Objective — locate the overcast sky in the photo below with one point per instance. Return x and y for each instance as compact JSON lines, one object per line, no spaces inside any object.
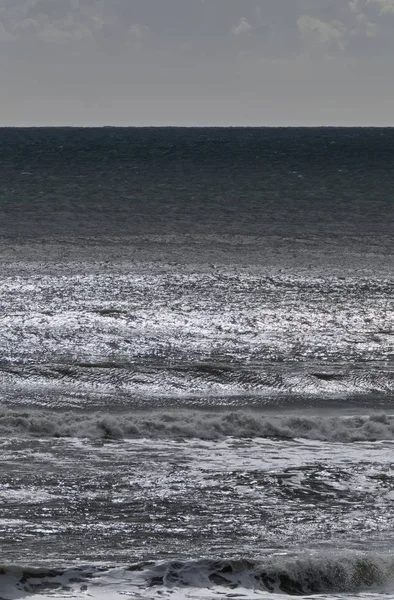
{"x":196,"y":62}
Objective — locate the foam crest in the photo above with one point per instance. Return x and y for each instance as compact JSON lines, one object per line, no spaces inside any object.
{"x":193,"y":424}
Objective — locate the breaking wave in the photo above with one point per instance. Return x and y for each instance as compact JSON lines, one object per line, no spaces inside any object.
{"x":346,"y":572}
{"x":297,"y":575}
{"x":193,"y":424}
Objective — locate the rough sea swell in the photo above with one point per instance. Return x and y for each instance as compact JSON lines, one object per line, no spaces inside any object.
{"x":196,"y":363}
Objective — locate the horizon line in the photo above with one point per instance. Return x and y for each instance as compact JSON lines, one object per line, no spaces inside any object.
{"x":193,"y":126}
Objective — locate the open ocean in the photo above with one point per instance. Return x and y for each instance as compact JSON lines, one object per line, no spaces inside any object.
{"x":197,"y":363}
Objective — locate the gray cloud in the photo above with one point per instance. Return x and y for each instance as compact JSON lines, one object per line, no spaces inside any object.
{"x":243,"y":27}
{"x":385,"y":6}
{"x":331,"y":34}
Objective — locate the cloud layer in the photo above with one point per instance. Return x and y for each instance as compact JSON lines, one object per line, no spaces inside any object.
{"x":196,"y":61}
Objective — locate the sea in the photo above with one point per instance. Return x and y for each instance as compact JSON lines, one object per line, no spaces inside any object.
{"x":197,"y":363}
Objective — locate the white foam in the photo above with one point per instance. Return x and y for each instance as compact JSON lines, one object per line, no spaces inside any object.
{"x":193,"y":424}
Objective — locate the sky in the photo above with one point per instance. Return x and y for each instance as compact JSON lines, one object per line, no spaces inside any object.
{"x":197,"y":62}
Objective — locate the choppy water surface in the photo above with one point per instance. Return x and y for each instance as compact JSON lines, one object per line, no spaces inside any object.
{"x":169,"y":334}
{"x":196,"y":369}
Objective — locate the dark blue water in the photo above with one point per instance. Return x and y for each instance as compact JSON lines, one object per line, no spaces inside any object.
{"x":224,"y":181}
